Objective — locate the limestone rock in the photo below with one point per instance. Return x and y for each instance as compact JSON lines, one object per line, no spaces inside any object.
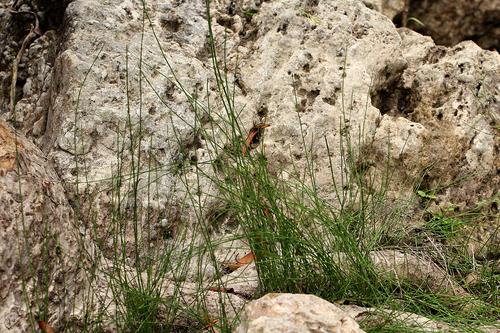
{"x":38,"y":241}
{"x":180,"y":297}
{"x":295,"y":313}
{"x":244,"y":281}
{"x":371,"y":317}
{"x":316,"y":71}
{"x":325,"y":73}
{"x":350,"y":58}
{"x":451,"y":94}
{"x":99,"y":135}
{"x":409,"y":269}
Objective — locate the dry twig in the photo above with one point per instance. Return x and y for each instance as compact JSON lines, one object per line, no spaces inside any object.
{"x":31,"y":35}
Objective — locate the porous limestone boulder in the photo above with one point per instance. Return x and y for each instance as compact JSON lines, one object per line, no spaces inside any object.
{"x":82,"y":120}
{"x":428,"y":111}
{"x":371,"y":317}
{"x":317,"y":72}
{"x":36,"y":62}
{"x":39,"y":245}
{"x":86,"y":131}
{"x":444,"y":109}
{"x":295,"y":313}
{"x":312,"y":79}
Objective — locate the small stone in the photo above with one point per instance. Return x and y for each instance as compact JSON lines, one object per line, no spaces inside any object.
{"x":209,"y":273}
{"x":33,"y":50}
{"x":39,"y":126}
{"x":295,"y":313}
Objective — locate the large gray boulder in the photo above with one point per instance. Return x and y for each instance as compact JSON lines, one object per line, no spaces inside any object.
{"x":100,"y":100}
{"x":351,"y":70}
{"x":39,"y":245}
{"x":450,"y":104}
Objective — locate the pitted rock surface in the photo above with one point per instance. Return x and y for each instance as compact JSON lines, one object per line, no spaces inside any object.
{"x":295,"y":313}
{"x":38,"y":240}
{"x":343,"y":71}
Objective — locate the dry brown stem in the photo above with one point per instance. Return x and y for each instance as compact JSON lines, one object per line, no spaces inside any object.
{"x":31,"y":35}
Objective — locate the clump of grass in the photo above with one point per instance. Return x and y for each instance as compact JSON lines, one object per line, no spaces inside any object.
{"x":302,"y":243}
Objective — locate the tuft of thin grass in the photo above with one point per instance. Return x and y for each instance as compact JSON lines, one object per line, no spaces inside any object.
{"x":301,"y":242}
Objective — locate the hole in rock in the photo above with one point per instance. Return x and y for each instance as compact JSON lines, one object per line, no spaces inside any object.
{"x":329,"y":100}
{"x":225,"y":22}
{"x":170,"y":25}
{"x":282,"y":28}
{"x":393,"y":101}
{"x":262,"y":113}
{"x":311,"y":96}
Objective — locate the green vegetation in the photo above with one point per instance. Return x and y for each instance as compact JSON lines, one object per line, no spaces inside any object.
{"x":301,"y":242}
{"x":414,"y":19}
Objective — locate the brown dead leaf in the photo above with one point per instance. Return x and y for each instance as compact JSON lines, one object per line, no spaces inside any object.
{"x":222,"y":289}
{"x":45,"y":327}
{"x":253,"y":137}
{"x":249,"y":258}
{"x":266,"y":213}
{"x":241,"y":262}
{"x":210,"y":322}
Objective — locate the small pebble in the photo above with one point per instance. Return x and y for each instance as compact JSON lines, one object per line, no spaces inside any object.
{"x":209,"y":273}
